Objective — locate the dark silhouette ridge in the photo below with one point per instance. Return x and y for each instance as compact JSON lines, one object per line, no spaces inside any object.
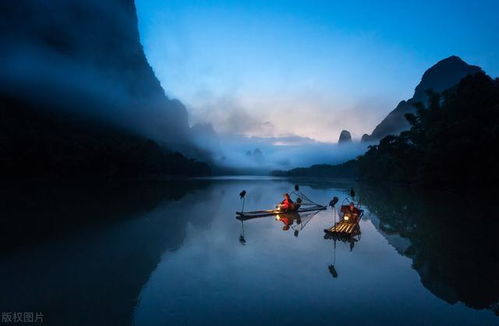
{"x":77,"y":95}
{"x":441,"y":76}
{"x":40,"y":143}
{"x":452,"y":142}
{"x":348,"y":169}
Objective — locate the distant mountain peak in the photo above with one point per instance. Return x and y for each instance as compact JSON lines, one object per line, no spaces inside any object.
{"x":453,"y":59}
{"x":439,"y":77}
{"x":443,"y":75}
{"x":345,"y":137}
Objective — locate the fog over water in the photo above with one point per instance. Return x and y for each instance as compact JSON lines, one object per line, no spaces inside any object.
{"x":274,"y":153}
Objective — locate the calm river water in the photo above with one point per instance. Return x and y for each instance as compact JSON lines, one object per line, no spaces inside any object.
{"x":173,"y":253}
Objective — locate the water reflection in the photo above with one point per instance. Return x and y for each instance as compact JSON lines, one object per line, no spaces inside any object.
{"x":290,"y":221}
{"x":81,"y":253}
{"x":304,"y":219}
{"x":350,"y":239}
{"x":451,"y":240}
{"x":156,"y":253}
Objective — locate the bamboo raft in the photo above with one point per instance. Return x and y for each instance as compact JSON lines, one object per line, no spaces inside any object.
{"x":349,"y":225}
{"x":344,"y":228}
{"x":270,"y":212}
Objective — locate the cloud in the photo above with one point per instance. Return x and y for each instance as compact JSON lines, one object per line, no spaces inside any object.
{"x":302,"y":116}
{"x":228,"y":116}
{"x":288,"y":132}
{"x":278,"y":152}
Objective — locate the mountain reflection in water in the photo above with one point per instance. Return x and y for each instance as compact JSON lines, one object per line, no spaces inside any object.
{"x":156,"y":253}
{"x":80,"y":253}
{"x":450,"y":239}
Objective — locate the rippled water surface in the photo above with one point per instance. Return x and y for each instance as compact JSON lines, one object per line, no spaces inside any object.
{"x":173,"y":253}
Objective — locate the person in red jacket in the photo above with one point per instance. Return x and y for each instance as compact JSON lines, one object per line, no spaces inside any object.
{"x":287,"y":204}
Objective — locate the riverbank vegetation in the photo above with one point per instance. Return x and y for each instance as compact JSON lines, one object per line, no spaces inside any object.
{"x":452,"y":142}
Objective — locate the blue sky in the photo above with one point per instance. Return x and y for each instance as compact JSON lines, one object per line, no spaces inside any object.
{"x":307,"y":68}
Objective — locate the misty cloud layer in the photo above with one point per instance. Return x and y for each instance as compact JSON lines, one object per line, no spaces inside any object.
{"x":275,"y":153}
{"x":84,"y":58}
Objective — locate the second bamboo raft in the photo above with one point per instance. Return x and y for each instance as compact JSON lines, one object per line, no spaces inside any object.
{"x":344,"y":228}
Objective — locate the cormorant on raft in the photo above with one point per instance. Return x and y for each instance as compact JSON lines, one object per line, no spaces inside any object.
{"x":333,"y":201}
{"x":242,"y":194}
